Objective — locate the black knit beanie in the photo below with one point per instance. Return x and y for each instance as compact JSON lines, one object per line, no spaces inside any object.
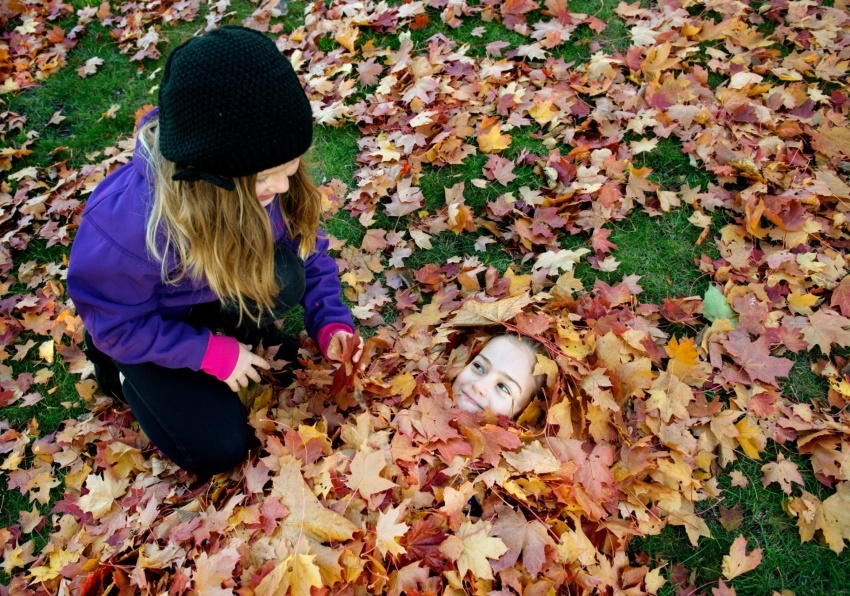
{"x":230,"y":104}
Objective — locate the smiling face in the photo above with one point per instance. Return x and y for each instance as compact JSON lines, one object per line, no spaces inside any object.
{"x":499,"y":377}
{"x":275,"y":181}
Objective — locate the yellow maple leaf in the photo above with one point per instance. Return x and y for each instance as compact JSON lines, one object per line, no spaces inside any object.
{"x":388,"y":529}
{"x":430,"y":315}
{"x":470,"y":548}
{"x":576,"y":546}
{"x":306,"y":514}
{"x":57,"y":561}
{"x":346,"y":36}
{"x":738,"y":561}
{"x":103,"y":490}
{"x":403,"y":385}
{"x":296,"y":572}
{"x":491,"y":139}
{"x":801,"y":303}
{"x":658,"y":60}
{"x":365,"y":474}
{"x":474,"y":314}
{"x":543,"y":112}
{"x":683,"y":356}
{"x":751,"y":439}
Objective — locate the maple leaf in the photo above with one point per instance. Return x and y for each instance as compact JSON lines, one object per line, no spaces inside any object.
{"x":365,"y":474}
{"x":435,"y":419}
{"x":782,"y":471}
{"x":738,"y":561}
{"x":738,"y":479}
{"x":670,"y":397}
{"x":499,"y":169}
{"x":491,"y":139}
{"x":212,"y":570}
{"x":407,"y":579}
{"x":754,"y":357}
{"x":470,"y":548}
{"x":576,"y":546}
{"x":520,"y":535}
{"x":56,"y":562}
{"x":831,"y":517}
{"x":561,"y":260}
{"x":658,"y":60}
{"x":103,"y":490}
{"x":750,"y":438}
{"x":298,"y":573}
{"x":342,"y":349}
{"x":388,"y":529}
{"x":841,"y":296}
{"x":346,"y":36}
{"x":475,"y":314}
{"x":422,"y":542}
{"x":368,"y":73}
{"x":430,"y":315}
{"x":683,"y":356}
{"x":731,"y":519}
{"x":307,"y":515}
{"x":826,"y":328}
{"x":518,"y":7}
{"x":716,"y":306}
{"x":654,"y":581}
{"x":489,"y":441}
{"x":90,"y":67}
{"x":533,"y":458}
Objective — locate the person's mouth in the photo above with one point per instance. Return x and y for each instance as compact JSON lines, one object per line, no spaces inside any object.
{"x":472,"y":402}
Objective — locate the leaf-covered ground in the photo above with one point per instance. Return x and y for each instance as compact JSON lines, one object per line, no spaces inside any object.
{"x":497,"y":169}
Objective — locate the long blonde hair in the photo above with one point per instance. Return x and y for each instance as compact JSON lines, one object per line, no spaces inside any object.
{"x":224,"y":237}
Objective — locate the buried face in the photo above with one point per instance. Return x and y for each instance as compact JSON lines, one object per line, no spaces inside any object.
{"x":499,"y":378}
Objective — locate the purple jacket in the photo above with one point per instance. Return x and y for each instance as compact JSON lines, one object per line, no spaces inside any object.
{"x":134,"y":317}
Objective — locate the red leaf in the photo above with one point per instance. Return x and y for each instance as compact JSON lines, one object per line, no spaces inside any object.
{"x":841,"y":296}
{"x":754,"y":357}
{"x":422,"y":543}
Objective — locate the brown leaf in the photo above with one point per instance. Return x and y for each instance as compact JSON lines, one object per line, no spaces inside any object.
{"x":782,"y":471}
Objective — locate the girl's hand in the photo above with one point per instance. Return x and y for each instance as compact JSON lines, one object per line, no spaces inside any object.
{"x":244,"y":370}
{"x":343,"y":339}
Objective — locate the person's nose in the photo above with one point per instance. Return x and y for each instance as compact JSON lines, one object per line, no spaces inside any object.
{"x":480,"y":387}
{"x":278,"y":184}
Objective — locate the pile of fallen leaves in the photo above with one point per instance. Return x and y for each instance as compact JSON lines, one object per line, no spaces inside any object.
{"x":372,"y":481}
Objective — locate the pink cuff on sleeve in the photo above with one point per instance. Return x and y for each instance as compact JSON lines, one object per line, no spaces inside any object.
{"x":221,"y":356}
{"x":326,"y":333}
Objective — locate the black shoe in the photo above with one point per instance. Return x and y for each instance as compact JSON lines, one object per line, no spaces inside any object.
{"x":105,"y":372}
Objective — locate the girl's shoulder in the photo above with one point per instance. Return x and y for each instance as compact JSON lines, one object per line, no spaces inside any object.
{"x":117,"y":212}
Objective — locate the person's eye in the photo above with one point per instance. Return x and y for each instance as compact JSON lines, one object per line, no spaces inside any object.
{"x":504,"y":388}
{"x":477,"y":366}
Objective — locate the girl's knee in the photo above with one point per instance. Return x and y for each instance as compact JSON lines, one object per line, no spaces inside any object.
{"x":222,"y":452}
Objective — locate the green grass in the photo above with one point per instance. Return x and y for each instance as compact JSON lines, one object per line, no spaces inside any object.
{"x":660,"y":249}
{"x":671,"y":166}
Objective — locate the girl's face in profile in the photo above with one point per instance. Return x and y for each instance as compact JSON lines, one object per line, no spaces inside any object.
{"x":275,"y":180}
{"x":499,"y":377}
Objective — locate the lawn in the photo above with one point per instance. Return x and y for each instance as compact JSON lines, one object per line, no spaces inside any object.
{"x":658,"y":192}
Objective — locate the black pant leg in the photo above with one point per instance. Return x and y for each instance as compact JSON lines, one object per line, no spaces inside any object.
{"x":192,"y":417}
{"x":105,"y":372}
